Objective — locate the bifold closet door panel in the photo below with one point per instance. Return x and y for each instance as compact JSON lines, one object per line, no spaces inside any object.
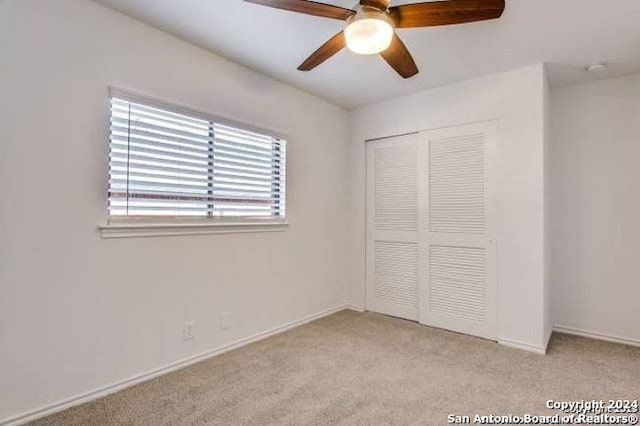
{"x":457,"y":247}
{"x":392,"y":227}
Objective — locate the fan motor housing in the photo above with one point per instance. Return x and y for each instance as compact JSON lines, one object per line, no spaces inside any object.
{"x":369,"y":12}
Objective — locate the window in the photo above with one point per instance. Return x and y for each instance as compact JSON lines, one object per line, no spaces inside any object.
{"x":172,"y":165}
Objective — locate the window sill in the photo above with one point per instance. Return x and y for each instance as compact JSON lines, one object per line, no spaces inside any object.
{"x":132,"y":229}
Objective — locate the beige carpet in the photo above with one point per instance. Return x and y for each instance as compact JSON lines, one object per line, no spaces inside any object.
{"x":364,"y":368}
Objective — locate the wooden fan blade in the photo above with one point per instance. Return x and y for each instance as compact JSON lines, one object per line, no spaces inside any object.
{"x":378,"y":4}
{"x":445,"y":12}
{"x":398,"y":56}
{"x":307,"y":7}
{"x":327,"y":50}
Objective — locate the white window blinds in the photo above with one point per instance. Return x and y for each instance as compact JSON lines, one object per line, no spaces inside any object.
{"x":168,"y":163}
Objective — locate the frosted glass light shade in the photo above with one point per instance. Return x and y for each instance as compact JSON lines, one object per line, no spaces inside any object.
{"x":368,"y":36}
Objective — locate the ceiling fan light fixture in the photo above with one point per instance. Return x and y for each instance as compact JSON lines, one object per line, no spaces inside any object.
{"x":369,"y":31}
{"x":370,"y":25}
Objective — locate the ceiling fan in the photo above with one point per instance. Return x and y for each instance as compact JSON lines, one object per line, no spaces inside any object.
{"x":370,"y":25}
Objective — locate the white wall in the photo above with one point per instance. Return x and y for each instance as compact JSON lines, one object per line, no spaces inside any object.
{"x":516,"y":99}
{"x":548,"y":290}
{"x":78,"y":312}
{"x":595,"y":173}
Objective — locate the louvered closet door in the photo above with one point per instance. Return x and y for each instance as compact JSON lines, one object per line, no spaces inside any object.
{"x":457,"y":234}
{"x":392,"y":227}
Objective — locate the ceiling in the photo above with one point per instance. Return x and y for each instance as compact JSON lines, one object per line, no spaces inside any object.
{"x":567,"y":34}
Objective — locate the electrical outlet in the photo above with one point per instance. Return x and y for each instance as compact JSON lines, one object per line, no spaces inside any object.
{"x":224,"y":321}
{"x":188,"y":330}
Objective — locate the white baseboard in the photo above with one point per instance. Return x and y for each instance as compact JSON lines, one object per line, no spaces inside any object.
{"x":140,"y":378}
{"x":596,"y":336}
{"x":354,"y":307}
{"x":523,"y":346}
{"x":547,"y":339}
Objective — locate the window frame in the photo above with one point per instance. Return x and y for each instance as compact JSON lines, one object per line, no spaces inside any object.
{"x":133,"y":226}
